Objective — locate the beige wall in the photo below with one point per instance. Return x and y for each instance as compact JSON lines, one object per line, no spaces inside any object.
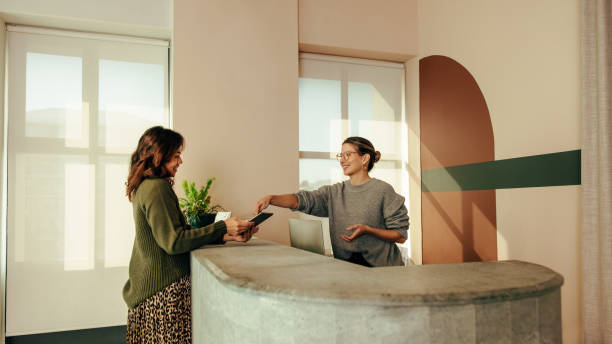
{"x":359,"y":28}
{"x":147,"y":18}
{"x":2,"y":224}
{"x":236,"y":101}
{"x":414,"y":158}
{"x":525,"y":57}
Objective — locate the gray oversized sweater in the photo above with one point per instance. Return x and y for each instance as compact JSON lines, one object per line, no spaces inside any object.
{"x":373,"y":203}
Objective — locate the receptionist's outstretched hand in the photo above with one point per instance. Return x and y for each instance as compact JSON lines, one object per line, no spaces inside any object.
{"x":262,"y":204}
{"x":358,"y":230}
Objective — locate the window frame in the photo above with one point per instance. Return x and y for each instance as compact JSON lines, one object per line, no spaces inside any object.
{"x":96,"y":154}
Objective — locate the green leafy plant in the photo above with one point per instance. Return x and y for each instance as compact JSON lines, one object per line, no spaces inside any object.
{"x":196,"y":204}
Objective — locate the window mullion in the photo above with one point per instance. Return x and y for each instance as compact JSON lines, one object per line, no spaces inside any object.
{"x":344,"y":119}
{"x":91,"y":118}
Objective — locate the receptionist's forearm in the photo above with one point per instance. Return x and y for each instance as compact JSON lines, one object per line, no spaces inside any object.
{"x":285,"y":201}
{"x":386,"y":234}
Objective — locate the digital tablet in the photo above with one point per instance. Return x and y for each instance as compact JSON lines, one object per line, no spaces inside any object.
{"x":259,"y":218}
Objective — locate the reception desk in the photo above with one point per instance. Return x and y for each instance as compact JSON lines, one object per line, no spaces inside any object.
{"x":263,"y":292}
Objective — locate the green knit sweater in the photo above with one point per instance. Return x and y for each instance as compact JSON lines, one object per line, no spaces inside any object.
{"x":163,"y":240}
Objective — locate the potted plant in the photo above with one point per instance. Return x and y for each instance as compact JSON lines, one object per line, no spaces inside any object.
{"x":196,"y":204}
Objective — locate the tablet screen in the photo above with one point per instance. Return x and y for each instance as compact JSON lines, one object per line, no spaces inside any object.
{"x":259,"y":218}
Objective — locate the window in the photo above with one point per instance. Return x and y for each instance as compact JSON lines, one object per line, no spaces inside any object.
{"x":342,"y":97}
{"x":77,"y":105}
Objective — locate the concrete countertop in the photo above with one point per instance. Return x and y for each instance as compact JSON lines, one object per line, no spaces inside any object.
{"x":263,"y":267}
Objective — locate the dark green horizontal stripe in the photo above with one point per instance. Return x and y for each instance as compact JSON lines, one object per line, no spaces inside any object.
{"x":102,"y":335}
{"x":531,"y":171}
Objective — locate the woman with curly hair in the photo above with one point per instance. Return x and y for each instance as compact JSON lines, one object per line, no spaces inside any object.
{"x":158,"y":291}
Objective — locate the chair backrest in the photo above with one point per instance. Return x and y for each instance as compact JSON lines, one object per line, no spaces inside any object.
{"x":307,"y":235}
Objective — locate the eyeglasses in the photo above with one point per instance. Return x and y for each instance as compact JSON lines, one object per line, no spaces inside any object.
{"x":344,"y":155}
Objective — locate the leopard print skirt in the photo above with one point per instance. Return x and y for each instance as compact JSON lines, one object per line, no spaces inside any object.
{"x":164,"y":318}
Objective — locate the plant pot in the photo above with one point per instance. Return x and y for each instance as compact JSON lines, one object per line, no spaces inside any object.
{"x":202,"y":220}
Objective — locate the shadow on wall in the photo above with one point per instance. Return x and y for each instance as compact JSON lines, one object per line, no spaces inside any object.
{"x":458,"y":226}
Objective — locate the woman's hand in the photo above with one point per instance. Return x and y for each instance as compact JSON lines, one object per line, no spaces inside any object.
{"x":244,"y":237}
{"x":382,"y":234}
{"x":227,"y":237}
{"x":236,"y":226}
{"x":359,"y":230}
{"x":262,"y":204}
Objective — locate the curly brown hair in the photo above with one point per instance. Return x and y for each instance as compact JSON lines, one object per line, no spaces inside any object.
{"x":155,"y":148}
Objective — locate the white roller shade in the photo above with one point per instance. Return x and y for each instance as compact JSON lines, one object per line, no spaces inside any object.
{"x":77,"y":105}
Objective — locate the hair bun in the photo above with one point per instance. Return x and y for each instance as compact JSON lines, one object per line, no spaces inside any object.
{"x":377,"y":157}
